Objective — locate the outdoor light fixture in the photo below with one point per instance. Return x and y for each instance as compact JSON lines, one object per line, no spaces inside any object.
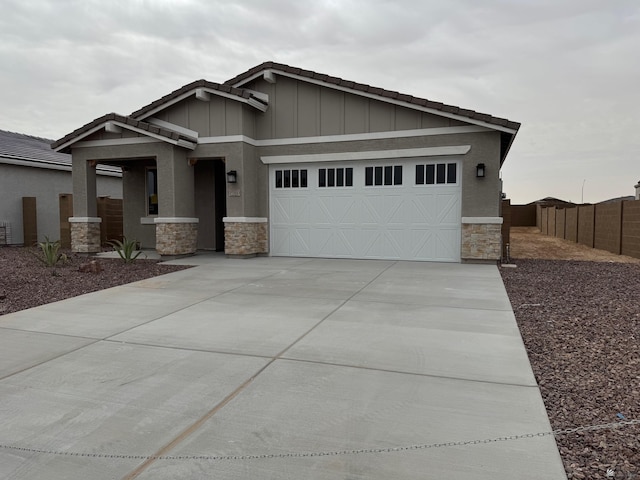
{"x":232,"y":176}
{"x":480,"y":170}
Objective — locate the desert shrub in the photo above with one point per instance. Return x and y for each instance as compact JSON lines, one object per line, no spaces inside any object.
{"x":126,"y":249}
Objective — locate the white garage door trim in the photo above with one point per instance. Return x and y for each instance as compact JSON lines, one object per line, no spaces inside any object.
{"x":405,"y":222}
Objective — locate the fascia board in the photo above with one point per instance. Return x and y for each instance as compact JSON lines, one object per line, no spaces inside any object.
{"x":370,"y":155}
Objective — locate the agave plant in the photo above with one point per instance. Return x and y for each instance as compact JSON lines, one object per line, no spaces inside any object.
{"x":51,"y":253}
{"x":126,"y":249}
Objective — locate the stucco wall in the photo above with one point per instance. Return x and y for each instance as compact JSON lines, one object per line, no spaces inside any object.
{"x":44,"y":184}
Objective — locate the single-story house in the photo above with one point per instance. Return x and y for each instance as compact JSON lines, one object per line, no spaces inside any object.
{"x":30,"y":170}
{"x":290,"y":162}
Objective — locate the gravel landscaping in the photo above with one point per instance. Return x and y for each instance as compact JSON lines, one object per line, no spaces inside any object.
{"x":26,"y":281}
{"x":580,"y":322}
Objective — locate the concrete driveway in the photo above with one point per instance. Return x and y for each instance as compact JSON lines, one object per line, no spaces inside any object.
{"x":276,"y":357}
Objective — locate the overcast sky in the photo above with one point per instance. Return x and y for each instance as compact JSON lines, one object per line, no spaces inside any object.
{"x":568,"y":70}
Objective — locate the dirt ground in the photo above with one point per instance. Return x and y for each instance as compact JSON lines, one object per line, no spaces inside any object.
{"x":529,"y":242}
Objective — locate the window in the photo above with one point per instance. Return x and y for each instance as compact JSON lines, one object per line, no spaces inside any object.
{"x":291,"y":179}
{"x":387,"y":175}
{"x":152,"y":191}
{"x":335,"y":177}
{"x":436,"y":174}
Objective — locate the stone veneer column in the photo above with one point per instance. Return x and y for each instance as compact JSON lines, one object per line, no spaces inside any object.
{"x":176,"y":235}
{"x":85,"y":234}
{"x":481,"y":239}
{"x":245,"y":236}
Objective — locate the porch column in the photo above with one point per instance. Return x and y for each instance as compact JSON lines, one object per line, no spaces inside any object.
{"x":481,"y":239}
{"x":85,"y":224}
{"x":176,"y":224}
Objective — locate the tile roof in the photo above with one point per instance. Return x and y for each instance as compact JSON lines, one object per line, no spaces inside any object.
{"x":237,"y":92}
{"x":423,"y":102}
{"x":163,"y":132}
{"x":27,"y":147}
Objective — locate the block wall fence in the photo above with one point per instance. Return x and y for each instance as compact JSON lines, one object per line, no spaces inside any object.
{"x":611,"y":226}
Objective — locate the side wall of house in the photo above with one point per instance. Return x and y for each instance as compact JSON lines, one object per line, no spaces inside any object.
{"x":45,"y":185}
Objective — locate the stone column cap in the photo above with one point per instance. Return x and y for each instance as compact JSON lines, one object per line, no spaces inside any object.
{"x":176,"y":220}
{"x":85,"y":220}
{"x":244,"y":220}
{"x":481,"y":220}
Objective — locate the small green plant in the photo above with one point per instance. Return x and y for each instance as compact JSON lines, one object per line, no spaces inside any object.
{"x":126,"y":249}
{"x":51,"y":253}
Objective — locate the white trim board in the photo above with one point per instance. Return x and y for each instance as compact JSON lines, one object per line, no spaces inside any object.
{"x":352,"y":137}
{"x":370,"y":155}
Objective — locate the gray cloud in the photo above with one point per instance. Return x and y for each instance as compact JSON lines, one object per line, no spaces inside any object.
{"x":566,"y":69}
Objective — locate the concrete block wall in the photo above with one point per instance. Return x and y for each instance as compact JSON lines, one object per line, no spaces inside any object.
{"x":551,"y":222}
{"x":608,"y":227}
{"x":586,"y":221}
{"x":631,"y":229}
{"x":571,"y":224}
{"x":523,"y":215}
{"x":560,"y":219}
{"x":613,"y":226}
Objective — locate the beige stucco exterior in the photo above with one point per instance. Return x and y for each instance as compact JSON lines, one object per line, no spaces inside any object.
{"x":300,"y":118}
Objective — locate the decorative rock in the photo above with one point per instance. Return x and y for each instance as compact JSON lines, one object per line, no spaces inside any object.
{"x":90,"y":267}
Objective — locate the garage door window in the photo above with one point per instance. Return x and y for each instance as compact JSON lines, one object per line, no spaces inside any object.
{"x":436,"y":174}
{"x":335,"y":177}
{"x":291,"y":179}
{"x":387,"y":175}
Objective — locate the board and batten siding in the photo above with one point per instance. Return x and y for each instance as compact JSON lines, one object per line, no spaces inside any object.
{"x":299,"y":109}
{"x":215,"y":118}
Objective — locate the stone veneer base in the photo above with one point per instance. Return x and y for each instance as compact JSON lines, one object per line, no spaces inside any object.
{"x":85,"y":234}
{"x":176,"y":236}
{"x":245,"y":237}
{"x":481,"y":242}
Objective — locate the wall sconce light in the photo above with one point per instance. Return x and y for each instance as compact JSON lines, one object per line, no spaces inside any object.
{"x":232,"y":176}
{"x":480,"y":170}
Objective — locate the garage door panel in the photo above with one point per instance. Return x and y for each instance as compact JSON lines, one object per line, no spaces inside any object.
{"x":300,"y":241}
{"x":447,"y":243}
{"x":447,"y":208}
{"x":408,"y":222}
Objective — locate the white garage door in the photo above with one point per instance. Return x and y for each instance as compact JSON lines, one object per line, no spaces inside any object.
{"x":405,"y":210}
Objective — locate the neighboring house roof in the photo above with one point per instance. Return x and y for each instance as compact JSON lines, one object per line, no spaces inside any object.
{"x":550,"y":201}
{"x":410,"y":100}
{"x":619,"y":199}
{"x":114,"y":120}
{"x":29,"y":151}
{"x":28,"y":147}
